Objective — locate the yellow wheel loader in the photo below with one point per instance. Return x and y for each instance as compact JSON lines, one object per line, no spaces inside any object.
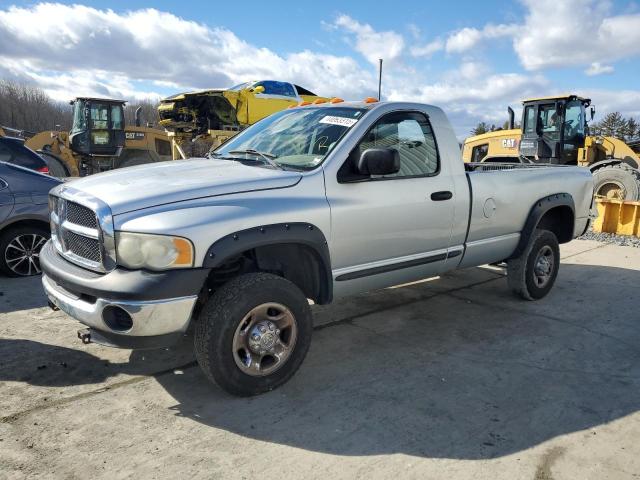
{"x":555,"y":130}
{"x":99,"y":140}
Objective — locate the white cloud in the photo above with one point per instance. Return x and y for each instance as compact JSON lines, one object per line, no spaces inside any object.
{"x":136,"y":54}
{"x":88,"y":51}
{"x":596,"y":68}
{"x":565,"y":33}
{"x":575,"y":33}
{"x":427,"y":49}
{"x":370,"y":43}
{"x":467,"y":38}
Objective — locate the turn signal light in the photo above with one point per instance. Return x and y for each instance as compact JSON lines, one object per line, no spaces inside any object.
{"x":319,"y":101}
{"x":370,"y":100}
{"x":302,"y":104}
{"x":337,"y":100}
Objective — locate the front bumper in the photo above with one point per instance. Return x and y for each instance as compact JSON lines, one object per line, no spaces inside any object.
{"x":159,"y":304}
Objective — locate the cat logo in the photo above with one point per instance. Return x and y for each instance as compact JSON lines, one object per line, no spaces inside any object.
{"x":509,"y":143}
{"x":134,"y":135}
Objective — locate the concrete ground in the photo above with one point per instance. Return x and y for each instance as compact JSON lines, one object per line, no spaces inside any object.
{"x":451,"y":378}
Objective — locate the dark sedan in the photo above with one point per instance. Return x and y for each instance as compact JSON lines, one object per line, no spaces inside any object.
{"x":24,"y":218}
{"x":13,"y":150}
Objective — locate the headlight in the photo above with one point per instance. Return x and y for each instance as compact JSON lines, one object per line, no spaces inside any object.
{"x":153,"y":252}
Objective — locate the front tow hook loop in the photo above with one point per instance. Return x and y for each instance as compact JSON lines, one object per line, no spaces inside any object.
{"x":84,"y":334}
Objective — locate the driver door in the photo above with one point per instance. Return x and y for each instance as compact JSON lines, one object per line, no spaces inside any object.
{"x":387,"y":230}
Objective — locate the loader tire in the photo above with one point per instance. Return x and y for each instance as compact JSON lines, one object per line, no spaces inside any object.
{"x":617,"y":182}
{"x":532,"y":274}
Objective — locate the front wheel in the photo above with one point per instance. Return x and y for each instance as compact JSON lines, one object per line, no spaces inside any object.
{"x":253,"y":333}
{"x":532,"y":274}
{"x":20,"y":250}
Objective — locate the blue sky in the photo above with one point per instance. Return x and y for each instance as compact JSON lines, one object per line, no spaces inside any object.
{"x":472,"y":58}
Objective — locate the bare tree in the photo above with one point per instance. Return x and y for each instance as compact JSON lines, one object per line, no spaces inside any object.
{"x":29,"y":108}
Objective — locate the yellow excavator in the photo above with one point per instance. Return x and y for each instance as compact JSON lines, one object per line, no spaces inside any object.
{"x":99,"y":140}
{"x":555,"y":130}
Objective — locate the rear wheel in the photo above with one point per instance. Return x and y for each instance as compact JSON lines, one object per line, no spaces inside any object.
{"x":253,"y":333}
{"x":20,"y":250}
{"x":532,"y":274}
{"x":617,"y":182}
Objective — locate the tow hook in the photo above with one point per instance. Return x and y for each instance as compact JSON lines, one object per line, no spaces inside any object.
{"x":84,"y":334}
{"x":53,"y":306}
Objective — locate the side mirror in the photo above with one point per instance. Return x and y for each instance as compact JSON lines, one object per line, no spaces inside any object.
{"x":379,"y":161}
{"x":593,"y":112}
{"x":560,"y":109}
{"x":258,"y":89}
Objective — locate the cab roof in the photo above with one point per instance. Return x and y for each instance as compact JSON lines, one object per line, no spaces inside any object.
{"x":559,"y":97}
{"x":111,"y":100}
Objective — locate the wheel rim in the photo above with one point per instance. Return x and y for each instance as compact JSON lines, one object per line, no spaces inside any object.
{"x":612,"y":190}
{"x":22,"y":254}
{"x":543,"y":266}
{"x":264,"y":339}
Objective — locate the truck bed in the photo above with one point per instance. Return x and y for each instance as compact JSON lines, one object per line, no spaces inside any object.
{"x":502,"y":195}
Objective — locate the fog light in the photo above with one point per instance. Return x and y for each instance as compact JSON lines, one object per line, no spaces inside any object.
{"x":117,"y":319}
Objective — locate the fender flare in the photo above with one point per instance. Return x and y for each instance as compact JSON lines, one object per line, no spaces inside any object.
{"x":299,"y":233}
{"x":536,"y":213}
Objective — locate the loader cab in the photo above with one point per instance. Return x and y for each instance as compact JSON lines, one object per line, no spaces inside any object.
{"x":554,"y":128}
{"x":98,"y":127}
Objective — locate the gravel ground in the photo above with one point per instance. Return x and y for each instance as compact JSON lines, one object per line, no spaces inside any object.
{"x":612,"y":238}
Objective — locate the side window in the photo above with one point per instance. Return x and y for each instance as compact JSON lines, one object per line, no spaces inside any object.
{"x":479,"y":152}
{"x":278,"y":88}
{"x":574,"y":120}
{"x":410,"y":134}
{"x":163,"y":147}
{"x":116,"y":117}
{"x":549,"y":120}
{"x":5,"y":153}
{"x":530,"y":119}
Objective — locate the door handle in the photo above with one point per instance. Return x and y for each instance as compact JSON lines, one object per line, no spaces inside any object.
{"x":440,"y":196}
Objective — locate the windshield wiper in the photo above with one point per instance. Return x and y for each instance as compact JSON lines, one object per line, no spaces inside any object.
{"x":266,"y":156}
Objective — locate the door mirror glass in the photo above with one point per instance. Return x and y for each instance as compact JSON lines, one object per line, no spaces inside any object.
{"x":593,"y":112}
{"x":379,"y":161}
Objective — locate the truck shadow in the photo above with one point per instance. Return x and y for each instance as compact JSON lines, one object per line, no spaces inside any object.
{"x":473,"y":374}
{"x":470,"y":374}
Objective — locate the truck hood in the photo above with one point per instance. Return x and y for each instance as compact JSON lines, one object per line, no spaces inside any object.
{"x":155,"y":184}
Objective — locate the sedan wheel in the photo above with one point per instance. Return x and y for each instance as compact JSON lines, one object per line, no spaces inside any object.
{"x":21,"y":251}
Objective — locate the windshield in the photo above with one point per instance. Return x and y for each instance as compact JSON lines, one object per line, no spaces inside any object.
{"x":299,"y":138}
{"x":240,"y":86}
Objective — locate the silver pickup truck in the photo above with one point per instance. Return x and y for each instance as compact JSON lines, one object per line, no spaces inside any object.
{"x":310,"y":204}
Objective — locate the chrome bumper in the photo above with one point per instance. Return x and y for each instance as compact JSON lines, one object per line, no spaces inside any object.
{"x":150,"y":318}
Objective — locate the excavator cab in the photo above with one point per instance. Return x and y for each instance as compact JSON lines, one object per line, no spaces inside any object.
{"x":98,"y":127}
{"x":553,"y":129}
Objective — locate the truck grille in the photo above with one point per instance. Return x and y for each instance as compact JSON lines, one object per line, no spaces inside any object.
{"x":84,"y":247}
{"x":76,"y":234}
{"x":81,"y":215}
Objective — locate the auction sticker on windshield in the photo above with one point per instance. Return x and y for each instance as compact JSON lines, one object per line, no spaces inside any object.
{"x":342,"y":121}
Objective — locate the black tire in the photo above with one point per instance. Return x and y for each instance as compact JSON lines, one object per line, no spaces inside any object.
{"x":625,"y":178}
{"x":221,"y":317}
{"x":8,"y":253}
{"x":57,"y":168}
{"x":522,"y":275}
